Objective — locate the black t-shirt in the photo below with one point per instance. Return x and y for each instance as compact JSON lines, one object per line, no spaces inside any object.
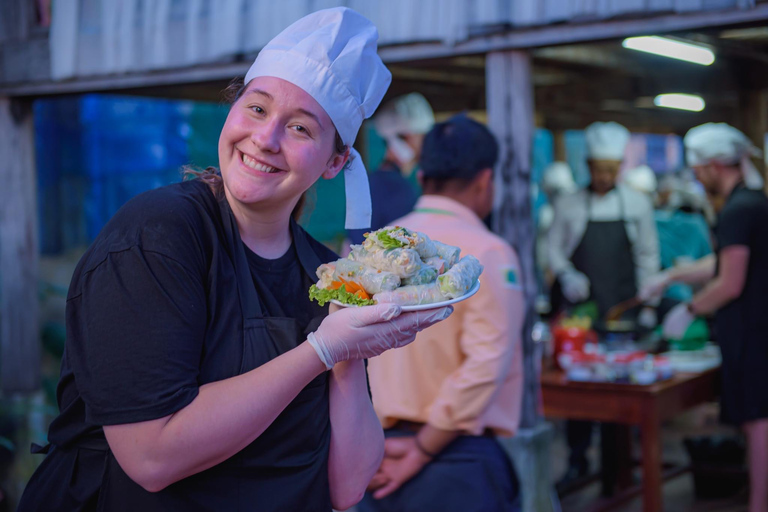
{"x":283,"y":287}
{"x":152,"y":307}
{"x":744,"y":221}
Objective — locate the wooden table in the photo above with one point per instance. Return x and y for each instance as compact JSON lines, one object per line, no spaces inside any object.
{"x":627,"y":404}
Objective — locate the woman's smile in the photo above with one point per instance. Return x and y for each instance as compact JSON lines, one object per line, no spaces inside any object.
{"x":253,"y":164}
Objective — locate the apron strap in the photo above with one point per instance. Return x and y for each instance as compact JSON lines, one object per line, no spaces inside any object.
{"x":249,"y":299}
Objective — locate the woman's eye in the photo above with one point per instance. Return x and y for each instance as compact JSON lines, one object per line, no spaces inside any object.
{"x":300,"y":128}
{"x":257,"y":109}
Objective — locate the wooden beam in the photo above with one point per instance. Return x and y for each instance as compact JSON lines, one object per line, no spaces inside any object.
{"x":19,"y":307}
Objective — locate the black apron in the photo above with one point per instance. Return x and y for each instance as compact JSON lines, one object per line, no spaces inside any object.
{"x":605,"y":256}
{"x":284,"y":469}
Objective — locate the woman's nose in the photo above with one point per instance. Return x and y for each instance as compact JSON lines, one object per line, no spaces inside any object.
{"x":266,"y":136}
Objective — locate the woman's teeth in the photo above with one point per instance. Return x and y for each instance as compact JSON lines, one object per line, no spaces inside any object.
{"x":253,"y":164}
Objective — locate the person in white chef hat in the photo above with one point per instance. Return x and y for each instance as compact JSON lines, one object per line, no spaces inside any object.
{"x":734,"y":280}
{"x":205,"y":377}
{"x":402,"y":123}
{"x":602,"y":246}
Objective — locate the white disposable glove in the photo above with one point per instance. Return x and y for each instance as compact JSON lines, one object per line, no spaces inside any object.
{"x":654,"y":287}
{"x":575,"y":286}
{"x":647,"y":318}
{"x":362,"y":333}
{"x":677,"y":322}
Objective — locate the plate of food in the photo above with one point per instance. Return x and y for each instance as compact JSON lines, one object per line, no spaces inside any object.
{"x":399,"y":266}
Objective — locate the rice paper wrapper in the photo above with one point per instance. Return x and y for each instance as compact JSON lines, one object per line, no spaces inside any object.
{"x":458,"y":280}
{"x":448,"y":253}
{"x":373,"y":280}
{"x":401,"y":262}
{"x":414,"y":295}
{"x":426,"y":274}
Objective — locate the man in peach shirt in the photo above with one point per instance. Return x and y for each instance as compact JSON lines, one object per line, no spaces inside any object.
{"x":444,"y":398}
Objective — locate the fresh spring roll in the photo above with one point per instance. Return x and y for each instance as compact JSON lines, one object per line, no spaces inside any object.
{"x":398,"y":237}
{"x":424,"y":246}
{"x":411,"y":295}
{"x":426,"y":274}
{"x":325,"y":274}
{"x":448,"y":252}
{"x":461,"y":277}
{"x":401,"y":262}
{"x":374,"y":281}
{"x":437,"y":263}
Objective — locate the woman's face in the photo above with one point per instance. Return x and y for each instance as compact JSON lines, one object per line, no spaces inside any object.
{"x":276,"y":142}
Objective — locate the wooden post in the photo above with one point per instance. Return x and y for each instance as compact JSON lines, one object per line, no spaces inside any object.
{"x":19,"y":307}
{"x":754,"y":120}
{"x":509,"y":93}
{"x":509,"y":103}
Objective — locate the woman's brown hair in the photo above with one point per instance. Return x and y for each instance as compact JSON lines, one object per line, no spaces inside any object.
{"x":212,"y":175}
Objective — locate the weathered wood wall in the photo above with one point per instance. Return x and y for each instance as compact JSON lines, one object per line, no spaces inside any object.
{"x":19,"y":306}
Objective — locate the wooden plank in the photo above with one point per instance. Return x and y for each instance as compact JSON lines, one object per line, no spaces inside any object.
{"x":509,"y":103}
{"x":19,"y":307}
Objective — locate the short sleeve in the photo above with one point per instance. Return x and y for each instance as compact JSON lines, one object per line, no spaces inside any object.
{"x":735,"y":225}
{"x":135,"y":337}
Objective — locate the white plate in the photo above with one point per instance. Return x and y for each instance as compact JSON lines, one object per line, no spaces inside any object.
{"x":422,"y":307}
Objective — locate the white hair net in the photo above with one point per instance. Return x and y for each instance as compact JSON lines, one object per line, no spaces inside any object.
{"x":409,"y":114}
{"x":642,"y":179}
{"x":557,"y":179}
{"x":722,"y":143}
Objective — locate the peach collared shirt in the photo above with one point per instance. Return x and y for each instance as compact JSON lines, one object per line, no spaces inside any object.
{"x":466,"y":372}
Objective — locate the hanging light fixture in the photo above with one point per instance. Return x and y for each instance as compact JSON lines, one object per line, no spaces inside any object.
{"x":680,"y":101}
{"x":671,"y":48}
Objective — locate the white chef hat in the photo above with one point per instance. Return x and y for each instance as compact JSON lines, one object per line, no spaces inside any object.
{"x":642,"y":179}
{"x":331,"y":55}
{"x":606,"y":141}
{"x":409,"y":114}
{"x":725,"y":144}
{"x":558,"y":179}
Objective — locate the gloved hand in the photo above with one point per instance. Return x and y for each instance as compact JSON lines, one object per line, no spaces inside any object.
{"x":647,"y":318}
{"x":575,"y":286}
{"x":361,"y":333}
{"x":677,"y":322}
{"x":654,"y":287}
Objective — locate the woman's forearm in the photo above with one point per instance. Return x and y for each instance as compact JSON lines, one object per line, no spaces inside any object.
{"x":357,"y":439}
{"x":225,"y":417}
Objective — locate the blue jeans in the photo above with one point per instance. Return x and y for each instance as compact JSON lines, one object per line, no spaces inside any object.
{"x":472,"y":474}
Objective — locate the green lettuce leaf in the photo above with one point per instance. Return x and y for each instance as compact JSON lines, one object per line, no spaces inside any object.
{"x":388,"y":242}
{"x":325,"y":295}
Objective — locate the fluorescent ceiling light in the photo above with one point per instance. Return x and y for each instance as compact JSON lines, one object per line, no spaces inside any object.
{"x":680,"y":101}
{"x":671,"y":48}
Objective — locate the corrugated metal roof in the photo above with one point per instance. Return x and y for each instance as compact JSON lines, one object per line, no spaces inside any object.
{"x":96,"y":38}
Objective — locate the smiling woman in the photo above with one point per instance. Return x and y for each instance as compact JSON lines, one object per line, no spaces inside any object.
{"x":197,"y":374}
{"x":212,"y":175}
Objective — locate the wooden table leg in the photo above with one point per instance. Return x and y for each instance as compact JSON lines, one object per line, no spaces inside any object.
{"x":615,"y":457}
{"x":651,"y":440}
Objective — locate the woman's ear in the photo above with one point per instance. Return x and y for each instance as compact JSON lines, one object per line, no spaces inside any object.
{"x":335,"y":165}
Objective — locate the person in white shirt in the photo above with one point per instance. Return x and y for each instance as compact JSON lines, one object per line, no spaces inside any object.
{"x":603,"y":243}
{"x":602,"y":246}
